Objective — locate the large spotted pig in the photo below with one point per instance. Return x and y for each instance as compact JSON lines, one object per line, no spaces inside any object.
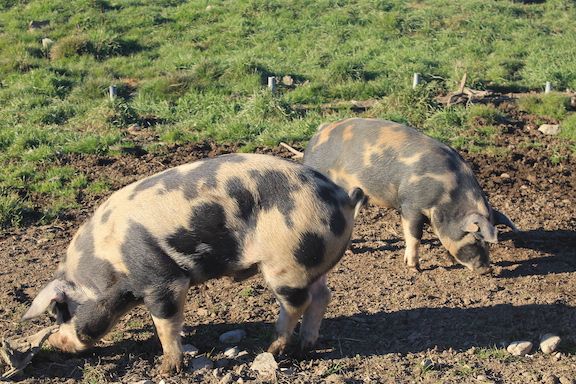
{"x":427,"y":181}
{"x":230,"y":215}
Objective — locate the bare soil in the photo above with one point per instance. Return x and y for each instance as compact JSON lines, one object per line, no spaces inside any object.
{"x":384,"y":320}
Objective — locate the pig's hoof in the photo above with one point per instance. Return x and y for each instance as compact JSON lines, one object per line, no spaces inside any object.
{"x":277,"y":348}
{"x":170,"y":367}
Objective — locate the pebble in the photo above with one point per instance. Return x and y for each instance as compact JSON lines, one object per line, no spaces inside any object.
{"x":231,"y":352}
{"x":232,"y":337}
{"x":550,"y":129}
{"x":202,"y":362}
{"x":565,"y":380}
{"x":520,"y":348}
{"x":189,"y":349}
{"x":549,"y":342}
{"x":287,"y":371}
{"x":264,"y":363}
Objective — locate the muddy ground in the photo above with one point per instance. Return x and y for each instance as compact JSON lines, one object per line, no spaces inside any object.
{"x":384,"y":320}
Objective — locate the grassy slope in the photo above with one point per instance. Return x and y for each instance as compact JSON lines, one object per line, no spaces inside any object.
{"x":188,"y":70}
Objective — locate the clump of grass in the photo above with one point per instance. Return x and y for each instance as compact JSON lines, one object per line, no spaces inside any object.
{"x":569,"y":127}
{"x":554,"y":105}
{"x":11,"y":208}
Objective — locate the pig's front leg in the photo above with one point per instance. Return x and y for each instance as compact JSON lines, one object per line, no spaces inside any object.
{"x":412,"y":226}
{"x":167,"y":307}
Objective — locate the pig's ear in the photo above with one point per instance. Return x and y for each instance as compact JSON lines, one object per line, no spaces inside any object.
{"x":480,"y":227}
{"x":500,"y":218}
{"x":54,"y":291}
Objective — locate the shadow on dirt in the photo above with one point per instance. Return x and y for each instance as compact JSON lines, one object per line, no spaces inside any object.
{"x":558,"y":245}
{"x":417,"y":330}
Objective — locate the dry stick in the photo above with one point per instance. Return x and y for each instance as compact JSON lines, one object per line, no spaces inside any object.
{"x":18,"y":360}
{"x":297,"y":154}
{"x":464,"y":90}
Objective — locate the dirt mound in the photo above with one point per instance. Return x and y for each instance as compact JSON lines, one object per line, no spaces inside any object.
{"x":385,"y":323}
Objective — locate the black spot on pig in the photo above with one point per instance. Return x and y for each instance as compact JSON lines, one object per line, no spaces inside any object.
{"x":172,"y":180}
{"x":310,"y":250}
{"x":337,"y":222}
{"x":244,"y":198}
{"x":152,"y":270}
{"x":295,"y":296}
{"x":105,"y":216}
{"x":212,"y":247}
{"x":274,"y":191}
{"x":94,"y":317}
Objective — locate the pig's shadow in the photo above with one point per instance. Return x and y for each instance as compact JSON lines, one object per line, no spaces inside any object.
{"x":363,"y":334}
{"x":558,"y":247}
{"x":390,"y":245}
{"x":419,"y":329}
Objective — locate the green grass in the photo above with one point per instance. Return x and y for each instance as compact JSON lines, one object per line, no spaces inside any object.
{"x":188,"y":72}
{"x":554,"y":105}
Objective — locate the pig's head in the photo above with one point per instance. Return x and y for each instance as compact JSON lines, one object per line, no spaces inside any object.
{"x":467,"y":239}
{"x":62,"y":298}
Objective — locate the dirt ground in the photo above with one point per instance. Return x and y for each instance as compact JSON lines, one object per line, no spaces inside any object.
{"x":384,"y":321}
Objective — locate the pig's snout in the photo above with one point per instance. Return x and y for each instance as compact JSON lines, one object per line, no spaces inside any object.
{"x":66,"y":340}
{"x":484,"y":270}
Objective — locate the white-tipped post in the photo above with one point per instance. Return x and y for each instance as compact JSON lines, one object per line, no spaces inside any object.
{"x":548,"y":88}
{"x":272,"y":84}
{"x":416,"y":80}
{"x":112,"y":90}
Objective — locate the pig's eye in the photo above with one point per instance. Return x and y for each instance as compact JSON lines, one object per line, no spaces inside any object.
{"x":62,"y":313}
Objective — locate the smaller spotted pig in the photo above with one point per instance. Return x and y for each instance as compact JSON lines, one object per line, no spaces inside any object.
{"x":226,"y":216}
{"x":427,"y":181}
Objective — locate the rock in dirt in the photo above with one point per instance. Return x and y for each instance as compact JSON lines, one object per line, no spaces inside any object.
{"x":549,"y":342}
{"x":232,"y":337}
{"x":520,"y":348}
{"x":189,"y":349}
{"x":232,"y":352}
{"x":550,"y":129}
{"x":202,"y":362}
{"x":264,"y":363}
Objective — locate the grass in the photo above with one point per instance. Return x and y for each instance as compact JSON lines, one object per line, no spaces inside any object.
{"x":187,"y":71}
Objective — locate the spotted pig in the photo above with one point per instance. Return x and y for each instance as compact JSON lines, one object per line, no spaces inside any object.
{"x":427,"y":181}
{"x":231,"y":215}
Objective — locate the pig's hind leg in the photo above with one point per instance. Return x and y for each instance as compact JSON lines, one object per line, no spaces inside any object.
{"x":314,"y":314}
{"x":293,"y":302}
